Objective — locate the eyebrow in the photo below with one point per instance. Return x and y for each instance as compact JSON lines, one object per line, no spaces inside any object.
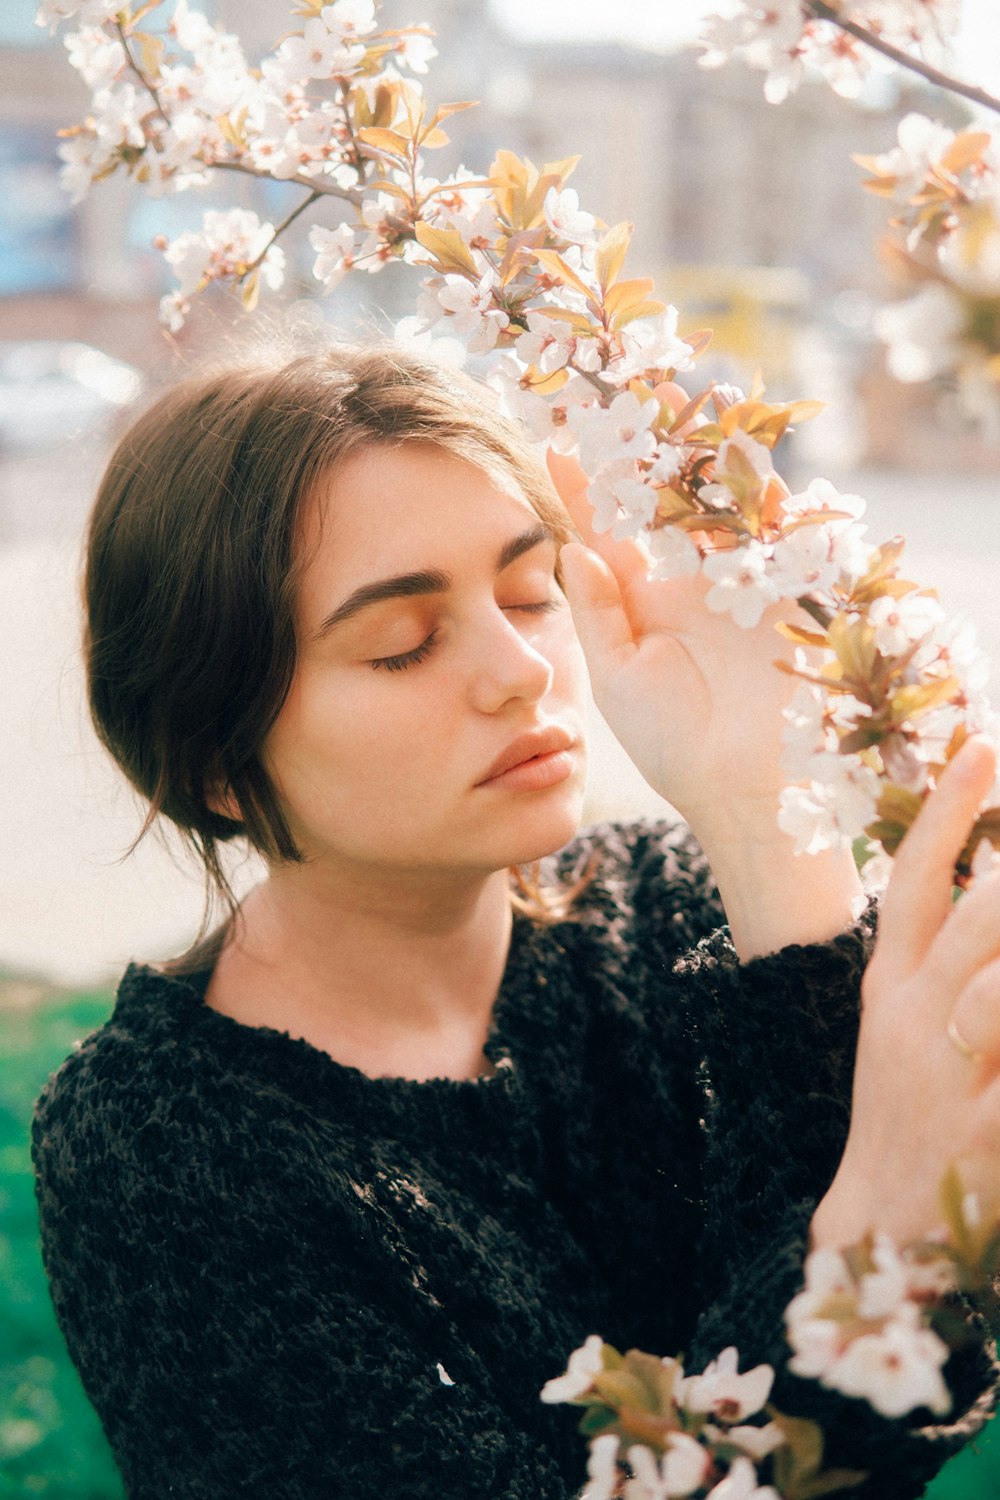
{"x":426,"y":581}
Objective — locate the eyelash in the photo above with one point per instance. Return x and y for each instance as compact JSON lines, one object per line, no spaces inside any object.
{"x":421,"y":652}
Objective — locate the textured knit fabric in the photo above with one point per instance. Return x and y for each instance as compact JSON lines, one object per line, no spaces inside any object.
{"x":281,"y":1278}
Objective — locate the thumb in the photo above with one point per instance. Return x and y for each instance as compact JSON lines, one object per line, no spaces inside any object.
{"x":602,"y":624}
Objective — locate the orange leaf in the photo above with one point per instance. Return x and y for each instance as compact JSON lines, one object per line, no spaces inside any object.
{"x":553,"y":262}
{"x":385,"y":140}
{"x":448,"y":248}
{"x":610,"y":254}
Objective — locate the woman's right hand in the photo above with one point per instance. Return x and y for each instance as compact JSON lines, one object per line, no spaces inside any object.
{"x":927,"y":1075}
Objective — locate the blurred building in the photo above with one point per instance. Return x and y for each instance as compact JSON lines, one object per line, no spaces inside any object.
{"x":751,"y":218}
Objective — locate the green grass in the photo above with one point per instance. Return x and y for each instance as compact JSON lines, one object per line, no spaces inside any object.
{"x":51,"y":1443}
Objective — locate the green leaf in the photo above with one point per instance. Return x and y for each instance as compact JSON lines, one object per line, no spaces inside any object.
{"x":597,"y":1420}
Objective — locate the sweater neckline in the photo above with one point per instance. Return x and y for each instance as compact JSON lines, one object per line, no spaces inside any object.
{"x":178,"y":1001}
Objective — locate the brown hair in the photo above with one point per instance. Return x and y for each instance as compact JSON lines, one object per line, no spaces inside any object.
{"x":190,"y":574}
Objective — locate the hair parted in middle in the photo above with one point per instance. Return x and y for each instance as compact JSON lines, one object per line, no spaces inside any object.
{"x":192,"y":566}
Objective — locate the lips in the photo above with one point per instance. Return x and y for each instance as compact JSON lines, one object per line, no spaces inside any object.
{"x":530,"y":746}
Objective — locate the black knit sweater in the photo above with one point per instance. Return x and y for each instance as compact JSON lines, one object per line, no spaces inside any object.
{"x":280,"y":1278}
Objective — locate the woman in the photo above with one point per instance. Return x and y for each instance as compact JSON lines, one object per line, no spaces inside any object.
{"x":325,"y":1203}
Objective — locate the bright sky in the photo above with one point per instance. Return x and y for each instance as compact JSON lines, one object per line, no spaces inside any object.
{"x":672,"y":23}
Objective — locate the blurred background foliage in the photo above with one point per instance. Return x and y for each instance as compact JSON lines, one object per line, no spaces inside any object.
{"x":51,"y":1443}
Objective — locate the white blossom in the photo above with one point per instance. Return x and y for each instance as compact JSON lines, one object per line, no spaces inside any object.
{"x":470,"y":309}
{"x":819,"y":496}
{"x":721,"y":1390}
{"x":336,"y":252}
{"x":900,"y":623}
{"x":920,"y":143}
{"x":741,"y":583}
{"x":546,"y":418}
{"x":621,"y":430}
{"x":584,"y":1364}
{"x":192,"y":28}
{"x":680,"y":1471}
{"x":565,"y":217}
{"x":173,"y":310}
{"x":350,"y":17}
{"x":90,"y":12}
{"x":741,"y":1484}
{"x":674,"y":554}
{"x":547,"y":344}
{"x":807,"y":729}
{"x":82,"y":157}
{"x":317,"y":53}
{"x":602,"y":1468}
{"x":653,"y":344}
{"x":224,"y":246}
{"x":118,"y":116}
{"x":416,"y":51}
{"x":895,"y":1370}
{"x":922,"y":332}
{"x":756,"y":1442}
{"x":804,"y":562}
{"x":96,"y":56}
{"x":985,"y":860}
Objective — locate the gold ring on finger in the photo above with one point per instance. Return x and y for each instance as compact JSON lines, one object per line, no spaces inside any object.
{"x":958,"y":1041}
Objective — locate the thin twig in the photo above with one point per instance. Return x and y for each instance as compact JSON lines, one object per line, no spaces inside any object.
{"x":147,"y":83}
{"x":289,"y":219}
{"x":821,"y":11}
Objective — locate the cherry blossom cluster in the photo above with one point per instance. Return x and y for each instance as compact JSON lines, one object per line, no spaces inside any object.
{"x":861,"y":1326}
{"x":656,"y":1433}
{"x":942,"y":184}
{"x":944,"y":187}
{"x":786,"y":38}
{"x":585,"y":357}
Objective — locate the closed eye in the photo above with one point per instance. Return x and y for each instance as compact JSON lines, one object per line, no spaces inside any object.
{"x":540,"y":607}
{"x":406,"y":658}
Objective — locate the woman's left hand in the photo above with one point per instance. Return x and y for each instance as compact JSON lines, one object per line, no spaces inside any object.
{"x":927,"y":1077}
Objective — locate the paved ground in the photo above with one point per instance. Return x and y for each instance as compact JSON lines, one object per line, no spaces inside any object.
{"x":69,"y":907}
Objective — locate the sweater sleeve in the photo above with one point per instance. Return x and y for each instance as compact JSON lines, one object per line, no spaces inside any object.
{"x":776,"y":1040}
{"x":229,"y":1355}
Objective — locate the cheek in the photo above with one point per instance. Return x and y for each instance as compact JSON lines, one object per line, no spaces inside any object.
{"x":337,"y":733}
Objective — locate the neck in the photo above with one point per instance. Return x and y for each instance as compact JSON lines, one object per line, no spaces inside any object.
{"x":411,"y":957}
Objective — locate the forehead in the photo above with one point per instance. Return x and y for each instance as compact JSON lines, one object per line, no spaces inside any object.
{"x":387,"y":509}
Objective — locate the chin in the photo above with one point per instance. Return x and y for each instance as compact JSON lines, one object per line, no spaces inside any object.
{"x":542,"y":829}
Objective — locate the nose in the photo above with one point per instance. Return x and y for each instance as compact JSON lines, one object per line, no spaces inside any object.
{"x":507,"y":666}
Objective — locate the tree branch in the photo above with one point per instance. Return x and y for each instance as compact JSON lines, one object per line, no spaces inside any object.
{"x":820,"y":10}
{"x":314,"y":184}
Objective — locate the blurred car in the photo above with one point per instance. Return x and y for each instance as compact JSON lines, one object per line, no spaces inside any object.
{"x":51,"y":391}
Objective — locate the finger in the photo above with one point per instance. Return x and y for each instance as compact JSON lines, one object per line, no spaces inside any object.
{"x":918,"y":898}
{"x":968,"y":939}
{"x":627,"y":561}
{"x":976,"y":1015}
{"x":598,"y":612}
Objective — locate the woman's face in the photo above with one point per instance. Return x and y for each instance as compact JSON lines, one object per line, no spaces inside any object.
{"x":435,"y":721}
